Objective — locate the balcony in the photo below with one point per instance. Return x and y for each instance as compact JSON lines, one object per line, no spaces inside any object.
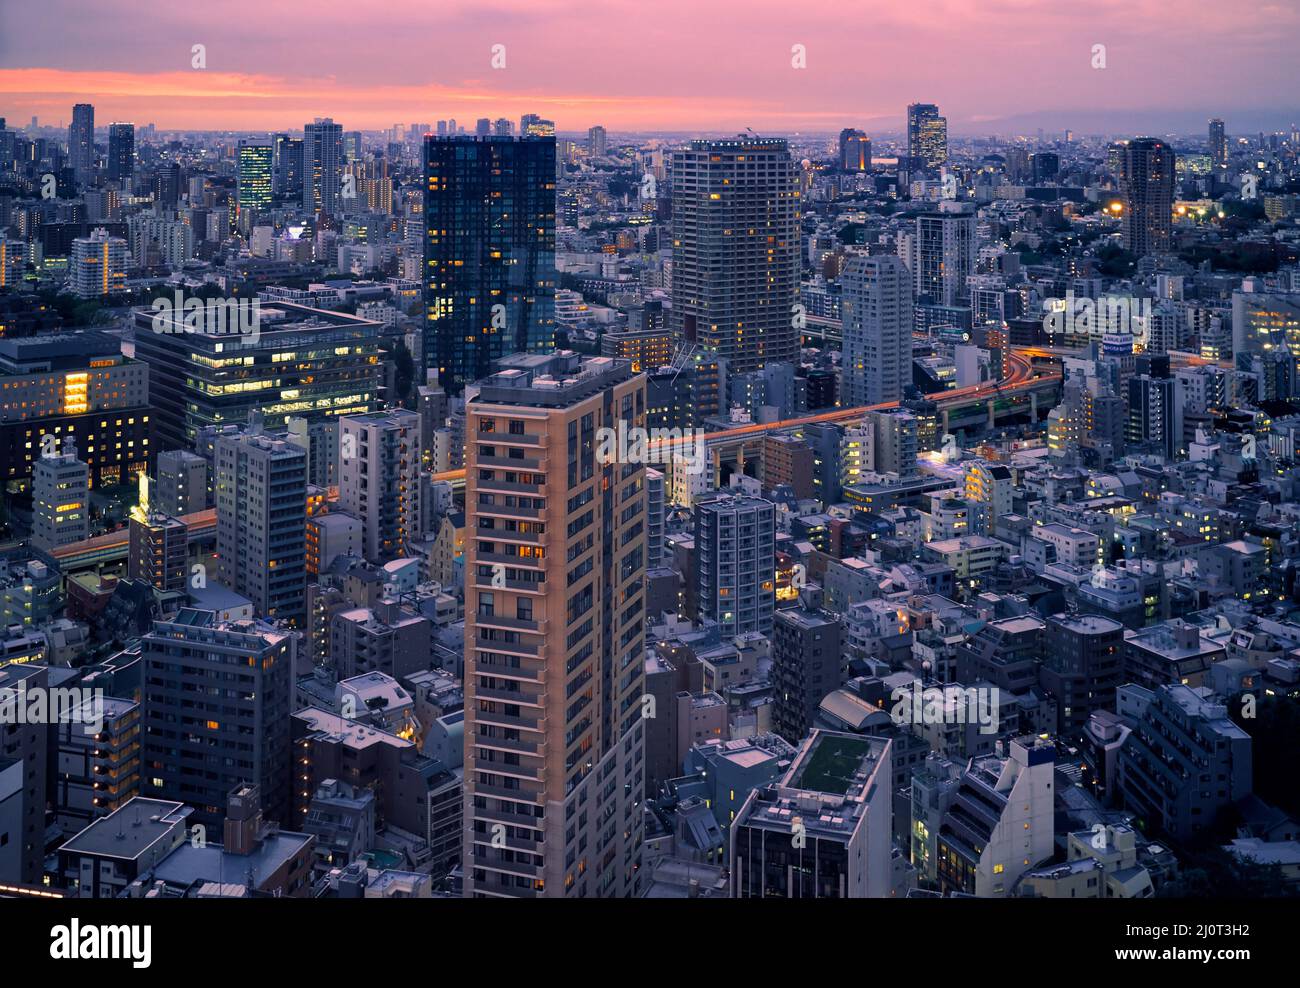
{"x":512,"y":844}
{"x":504,"y":487}
{"x":508,"y":511}
{"x":510,"y":463}
{"x":510,"y":648}
{"x":500,"y":792}
{"x":508,"y":623}
{"x":504,"y":744}
{"x":505,"y":816}
{"x":537,"y":724}
{"x":524,"y":670}
{"x":506,"y":696}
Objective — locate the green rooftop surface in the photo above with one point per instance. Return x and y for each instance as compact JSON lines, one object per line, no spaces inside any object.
{"x":834,"y":762}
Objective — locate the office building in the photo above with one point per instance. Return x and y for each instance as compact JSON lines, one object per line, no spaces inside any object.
{"x":596,"y":141}
{"x":379,"y":480}
{"x":254,"y":184}
{"x":1265,"y":323}
{"x":78,"y":386}
{"x":286,"y":167}
{"x":1218,"y":144}
{"x":31,"y":594}
{"x":877,"y":327}
{"x":121,"y":151}
{"x":554,"y":632}
{"x":489,"y":253}
{"x":216,"y":702}
{"x":855,"y":151}
{"x":735,"y":562}
{"x":81,"y":143}
{"x":735,"y":231}
{"x":261,"y":499}
{"x":60,"y":499}
{"x":1044,"y":167}
{"x":823,"y":831}
{"x":301,"y":362}
{"x":322,"y":166}
{"x":927,"y":136}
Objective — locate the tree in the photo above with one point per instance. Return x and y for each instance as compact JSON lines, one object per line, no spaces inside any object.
{"x":1218,"y":874}
{"x":1116,"y":262}
{"x":404,"y":365}
{"x":1275,"y":738}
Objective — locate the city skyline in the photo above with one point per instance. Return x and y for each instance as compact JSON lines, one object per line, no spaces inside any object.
{"x":864,"y":76}
{"x":530,"y":450}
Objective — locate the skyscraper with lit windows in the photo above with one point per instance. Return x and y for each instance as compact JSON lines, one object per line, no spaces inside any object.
{"x":554,"y":632}
{"x":927,"y":136}
{"x":736,"y":250}
{"x":1218,"y":143}
{"x":489,"y":252}
{"x":855,"y":150}
{"x":877,"y":307}
{"x":322,"y":166}
{"x":121,"y":151}
{"x":1146,"y":184}
{"x":81,"y":143}
{"x":254,"y":183}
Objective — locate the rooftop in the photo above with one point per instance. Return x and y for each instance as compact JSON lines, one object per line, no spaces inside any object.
{"x":130,"y":831}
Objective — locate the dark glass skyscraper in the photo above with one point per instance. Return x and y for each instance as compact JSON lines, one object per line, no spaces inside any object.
{"x":254,"y":182}
{"x":927,"y":136}
{"x":81,"y":142}
{"x":489,"y":252}
{"x":121,"y":151}
{"x":286,"y":166}
{"x":855,"y":150}
{"x":1218,"y":143}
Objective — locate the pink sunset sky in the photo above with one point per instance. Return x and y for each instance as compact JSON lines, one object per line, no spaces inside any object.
{"x":654,"y":64}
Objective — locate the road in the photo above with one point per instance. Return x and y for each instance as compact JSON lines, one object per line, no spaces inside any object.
{"x":1021,"y":376}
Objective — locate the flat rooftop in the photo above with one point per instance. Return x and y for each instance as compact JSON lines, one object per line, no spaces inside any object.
{"x":131,"y":830}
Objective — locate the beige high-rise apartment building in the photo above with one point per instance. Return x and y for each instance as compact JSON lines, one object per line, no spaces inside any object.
{"x":554,"y":631}
{"x":379,"y":479}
